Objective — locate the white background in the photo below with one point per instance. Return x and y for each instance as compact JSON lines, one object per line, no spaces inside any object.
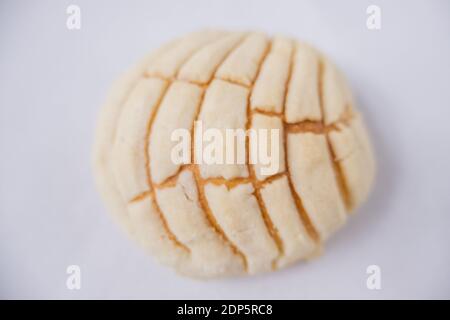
{"x":53,"y":82}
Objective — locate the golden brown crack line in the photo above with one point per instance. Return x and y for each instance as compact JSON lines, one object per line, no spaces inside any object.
{"x":203,"y":85}
{"x":172,"y":179}
{"x":141,"y":196}
{"x":304,"y":216}
{"x":218,"y":181}
{"x":234,"y":182}
{"x":235,"y":82}
{"x":257,"y":110}
{"x":336,"y":165}
{"x":273,"y":231}
{"x":317,"y":127}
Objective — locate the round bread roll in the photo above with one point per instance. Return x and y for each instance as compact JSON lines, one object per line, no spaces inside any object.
{"x":215,"y":220}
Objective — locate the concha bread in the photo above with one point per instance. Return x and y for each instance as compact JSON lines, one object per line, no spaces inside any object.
{"x":225,"y":220}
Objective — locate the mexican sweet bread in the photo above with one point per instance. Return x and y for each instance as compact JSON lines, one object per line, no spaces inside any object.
{"x":224,"y":220}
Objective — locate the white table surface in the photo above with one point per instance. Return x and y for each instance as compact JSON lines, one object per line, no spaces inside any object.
{"x":53,"y":81}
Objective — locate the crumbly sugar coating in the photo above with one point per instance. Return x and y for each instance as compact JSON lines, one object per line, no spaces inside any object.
{"x":218,"y":220}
